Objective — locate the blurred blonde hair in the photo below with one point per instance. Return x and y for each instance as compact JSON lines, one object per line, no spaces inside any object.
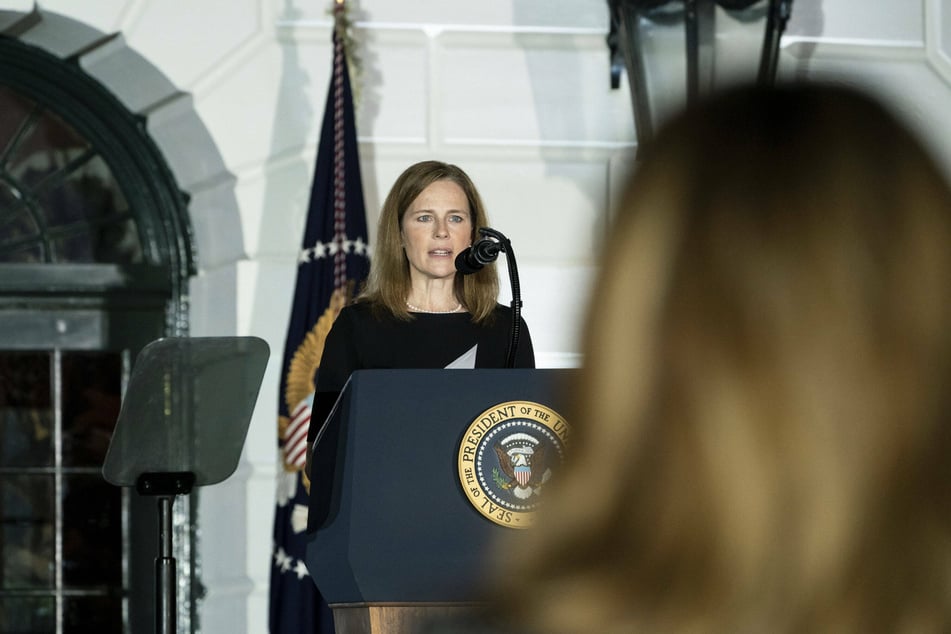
{"x":763,"y":418}
{"x":389,"y":284}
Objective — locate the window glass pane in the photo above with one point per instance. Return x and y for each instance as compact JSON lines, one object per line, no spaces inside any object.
{"x":115,"y":242}
{"x":19,"y":229}
{"x":26,"y":532}
{"x":28,"y":615}
{"x":45,"y":146}
{"x":24,"y":254}
{"x":75,"y":247}
{"x":88,"y":205}
{"x":65,"y":204}
{"x":25,"y":412}
{"x":84,"y":192}
{"x":91,"y":398}
{"x":81,"y":206}
{"x":15,"y":111}
{"x":9,"y":201}
{"x":102,"y":615}
{"x":16,"y":222}
{"x":92,"y":532}
{"x":118,"y":242}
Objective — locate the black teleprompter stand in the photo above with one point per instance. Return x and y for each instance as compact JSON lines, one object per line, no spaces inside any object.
{"x":165,"y":486}
{"x":183,"y":422}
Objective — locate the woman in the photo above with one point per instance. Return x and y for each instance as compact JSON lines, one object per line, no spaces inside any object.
{"x":763,"y":422}
{"x":417,"y":311}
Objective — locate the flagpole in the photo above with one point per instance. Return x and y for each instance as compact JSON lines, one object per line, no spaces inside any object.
{"x":333,"y":260}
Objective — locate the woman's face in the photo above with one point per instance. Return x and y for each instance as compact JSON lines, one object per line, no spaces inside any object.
{"x":436,"y":227}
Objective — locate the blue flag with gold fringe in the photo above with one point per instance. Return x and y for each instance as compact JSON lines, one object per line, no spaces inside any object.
{"x":334,"y":260}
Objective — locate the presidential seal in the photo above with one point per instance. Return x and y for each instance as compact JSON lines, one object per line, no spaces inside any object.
{"x":506,"y":457}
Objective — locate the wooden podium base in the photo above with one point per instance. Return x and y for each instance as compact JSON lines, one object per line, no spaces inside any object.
{"x":393,"y":618}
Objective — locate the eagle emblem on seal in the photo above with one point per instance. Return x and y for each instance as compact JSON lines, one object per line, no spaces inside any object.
{"x":507,"y":455}
{"x":522,"y":460}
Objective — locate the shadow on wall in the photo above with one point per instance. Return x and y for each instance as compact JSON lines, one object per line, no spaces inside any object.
{"x":581,"y":122}
{"x":366,"y":82}
{"x":299,"y":113}
{"x":296,"y":125}
{"x":574,"y":102}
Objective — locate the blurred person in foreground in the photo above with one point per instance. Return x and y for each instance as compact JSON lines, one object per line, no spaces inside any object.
{"x":763,"y":420}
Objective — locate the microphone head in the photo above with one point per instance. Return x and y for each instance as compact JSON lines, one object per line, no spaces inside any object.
{"x":473,"y":258}
{"x":485,"y":251}
{"x":466,"y":264}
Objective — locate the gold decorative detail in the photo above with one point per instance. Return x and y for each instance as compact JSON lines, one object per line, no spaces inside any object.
{"x":343,"y":25}
{"x":506,"y":457}
{"x":306,"y":360}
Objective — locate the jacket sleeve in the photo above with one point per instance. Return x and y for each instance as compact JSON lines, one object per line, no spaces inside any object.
{"x":337,"y":361}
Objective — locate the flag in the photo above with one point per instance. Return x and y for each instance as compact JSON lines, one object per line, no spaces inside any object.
{"x":334,"y":259}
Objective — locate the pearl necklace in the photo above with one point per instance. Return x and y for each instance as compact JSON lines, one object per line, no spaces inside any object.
{"x":417,"y":309}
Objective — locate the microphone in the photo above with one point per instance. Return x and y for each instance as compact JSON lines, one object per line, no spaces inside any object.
{"x":473,"y":258}
{"x":486,"y":250}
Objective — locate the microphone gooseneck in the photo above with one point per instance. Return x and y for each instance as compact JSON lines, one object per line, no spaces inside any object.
{"x":485,"y":250}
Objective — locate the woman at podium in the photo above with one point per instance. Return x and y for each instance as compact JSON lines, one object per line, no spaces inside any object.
{"x":417,"y":310}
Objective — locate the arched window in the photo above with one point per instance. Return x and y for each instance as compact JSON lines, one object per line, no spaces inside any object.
{"x":95,"y":252}
{"x":59,"y":200}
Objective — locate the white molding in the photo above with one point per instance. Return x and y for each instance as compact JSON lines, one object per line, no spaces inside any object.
{"x":853,"y":48}
{"x":436,"y":29}
{"x":938,"y":51}
{"x":550,"y":360}
{"x":447,"y":34}
{"x":562,"y":144}
{"x":252,"y":45}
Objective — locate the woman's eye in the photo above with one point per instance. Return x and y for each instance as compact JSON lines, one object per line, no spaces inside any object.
{"x":456,"y":218}
{"x":423,"y":218}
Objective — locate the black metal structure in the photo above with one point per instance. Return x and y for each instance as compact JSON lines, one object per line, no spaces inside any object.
{"x":698,"y":17}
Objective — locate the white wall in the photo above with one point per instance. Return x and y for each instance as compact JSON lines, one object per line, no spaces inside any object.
{"x":515,"y":91}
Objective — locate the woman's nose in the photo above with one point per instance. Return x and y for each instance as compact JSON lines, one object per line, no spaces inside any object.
{"x":441,"y":228}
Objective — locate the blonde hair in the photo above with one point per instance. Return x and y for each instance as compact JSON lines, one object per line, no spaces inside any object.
{"x":763,"y":418}
{"x":388,"y":284}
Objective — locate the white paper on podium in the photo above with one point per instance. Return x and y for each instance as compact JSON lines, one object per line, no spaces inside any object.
{"x":466,"y":361}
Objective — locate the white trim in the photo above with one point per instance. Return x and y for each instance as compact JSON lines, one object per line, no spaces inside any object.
{"x":938,"y":52}
{"x":433,"y":29}
{"x":892,"y":50}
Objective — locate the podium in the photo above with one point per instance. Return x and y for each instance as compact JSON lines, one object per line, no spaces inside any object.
{"x":393,"y":537}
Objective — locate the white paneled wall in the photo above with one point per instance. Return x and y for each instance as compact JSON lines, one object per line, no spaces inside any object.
{"x":515,"y":91}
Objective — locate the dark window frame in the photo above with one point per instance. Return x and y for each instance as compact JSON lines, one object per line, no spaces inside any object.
{"x":156,"y":289}
{"x":120,"y":137}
